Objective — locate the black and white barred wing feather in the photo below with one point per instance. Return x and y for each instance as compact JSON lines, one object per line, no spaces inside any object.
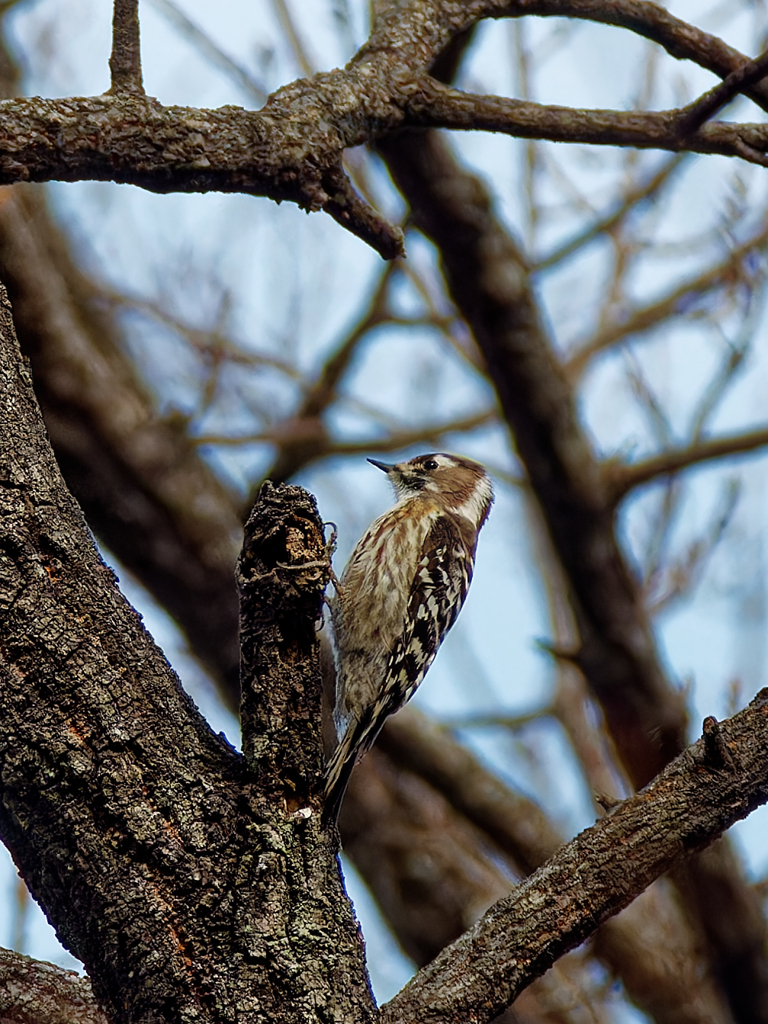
{"x":439,"y":587}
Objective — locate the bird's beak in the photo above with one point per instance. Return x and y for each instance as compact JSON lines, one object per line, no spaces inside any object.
{"x":386,"y":467}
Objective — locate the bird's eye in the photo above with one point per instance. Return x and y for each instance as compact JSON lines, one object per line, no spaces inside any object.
{"x":430,"y":464}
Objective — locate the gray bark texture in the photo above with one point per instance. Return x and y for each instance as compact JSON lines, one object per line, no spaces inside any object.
{"x":174,"y":869}
{"x":195,"y":883}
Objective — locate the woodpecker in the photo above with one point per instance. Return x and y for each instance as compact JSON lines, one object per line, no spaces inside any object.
{"x":398,"y":596}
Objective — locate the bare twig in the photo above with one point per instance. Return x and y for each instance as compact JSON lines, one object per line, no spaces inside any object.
{"x":621,"y":479}
{"x":629,"y":201}
{"x":308,"y":432}
{"x":647,"y":317}
{"x":204,"y":340}
{"x":303,"y":59}
{"x":684,"y":574}
{"x":693,"y":116}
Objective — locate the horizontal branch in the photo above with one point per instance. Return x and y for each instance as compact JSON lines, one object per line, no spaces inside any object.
{"x":713,"y":784}
{"x":439,"y":106}
{"x":292,"y":149}
{"x":621,"y":479}
{"x":307,"y":436}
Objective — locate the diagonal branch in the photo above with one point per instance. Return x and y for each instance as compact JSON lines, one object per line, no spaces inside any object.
{"x":644,"y":318}
{"x":695,"y":114}
{"x":630,"y":945}
{"x":514,"y":823}
{"x":611,"y":220}
{"x":621,"y":479}
{"x":713,"y":784}
{"x":138,"y":478}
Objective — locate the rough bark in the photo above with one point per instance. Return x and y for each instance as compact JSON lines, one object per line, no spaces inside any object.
{"x":282,"y":573}
{"x":34,"y":992}
{"x":617,"y":6}
{"x":710,"y":786}
{"x":650,"y":946}
{"x":292,"y":149}
{"x":144,"y":489}
{"x":178,"y":876}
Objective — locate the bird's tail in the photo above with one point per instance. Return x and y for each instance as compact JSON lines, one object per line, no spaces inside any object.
{"x":357,"y":739}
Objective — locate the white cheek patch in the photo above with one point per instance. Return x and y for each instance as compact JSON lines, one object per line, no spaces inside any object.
{"x":478,"y":501}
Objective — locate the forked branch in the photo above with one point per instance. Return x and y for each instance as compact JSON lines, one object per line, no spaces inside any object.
{"x":293,"y":147}
{"x":621,"y":479}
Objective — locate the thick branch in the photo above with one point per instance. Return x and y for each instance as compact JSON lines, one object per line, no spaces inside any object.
{"x":685,"y":809}
{"x":144,"y":489}
{"x":632,"y":945}
{"x":292,"y":149}
{"x":154,"y":852}
{"x":34,"y":992}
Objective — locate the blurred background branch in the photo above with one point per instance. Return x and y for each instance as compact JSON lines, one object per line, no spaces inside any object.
{"x":583,"y":324}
